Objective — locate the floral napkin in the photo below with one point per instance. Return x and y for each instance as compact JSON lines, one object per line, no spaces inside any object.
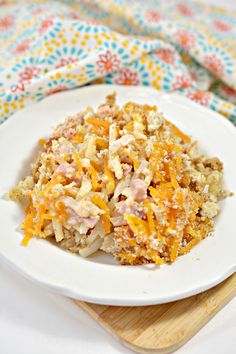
{"x":175,"y":45}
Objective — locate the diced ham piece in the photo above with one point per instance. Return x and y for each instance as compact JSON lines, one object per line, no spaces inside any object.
{"x":139,"y":189}
{"x":89,"y":222}
{"x":65,"y":169}
{"x":122,"y":208}
{"x":62,"y":168}
{"x":70,"y":133}
{"x":71,"y":212}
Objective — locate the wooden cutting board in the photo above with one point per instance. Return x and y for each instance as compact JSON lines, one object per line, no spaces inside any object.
{"x":162,"y":328}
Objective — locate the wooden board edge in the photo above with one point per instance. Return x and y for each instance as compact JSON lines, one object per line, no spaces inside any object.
{"x":169,"y":349}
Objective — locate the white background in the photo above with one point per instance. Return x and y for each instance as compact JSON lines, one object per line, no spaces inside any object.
{"x":33,"y":320}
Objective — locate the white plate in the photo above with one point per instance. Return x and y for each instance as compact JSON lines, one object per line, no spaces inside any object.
{"x":99,"y":279}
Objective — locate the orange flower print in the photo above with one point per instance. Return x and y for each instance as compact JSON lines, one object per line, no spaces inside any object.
{"x":222,"y":26}
{"x":165,"y":55}
{"x":180,"y":82}
{"x":22,"y":47}
{"x":107,"y":63}
{"x":214,"y":64}
{"x":6,"y":23}
{"x":185,"y":39}
{"x":28,"y":74}
{"x":185,"y":10}
{"x":127,"y":77}
{"x":201,"y":97}
{"x":152,"y":16}
{"x":45,"y":24}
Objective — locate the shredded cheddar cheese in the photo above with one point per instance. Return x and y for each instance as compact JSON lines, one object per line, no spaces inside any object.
{"x":94,"y":177}
{"x":102,"y":143}
{"x":134,"y":159}
{"x":42,"y":142}
{"x":78,"y":139}
{"x":98,"y":123}
{"x":106,"y":216}
{"x":110,"y":177}
{"x":150,"y":218}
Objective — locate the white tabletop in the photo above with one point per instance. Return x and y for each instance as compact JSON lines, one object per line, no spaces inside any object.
{"x":33,"y":320}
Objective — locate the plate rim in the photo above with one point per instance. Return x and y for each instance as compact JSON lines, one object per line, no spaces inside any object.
{"x":117,"y":301}
{"x":75,"y":294}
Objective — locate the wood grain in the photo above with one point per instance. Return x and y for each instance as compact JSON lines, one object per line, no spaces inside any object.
{"x":162,"y":328}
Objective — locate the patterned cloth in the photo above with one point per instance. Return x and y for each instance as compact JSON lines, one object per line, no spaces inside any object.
{"x":174,"y":45}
